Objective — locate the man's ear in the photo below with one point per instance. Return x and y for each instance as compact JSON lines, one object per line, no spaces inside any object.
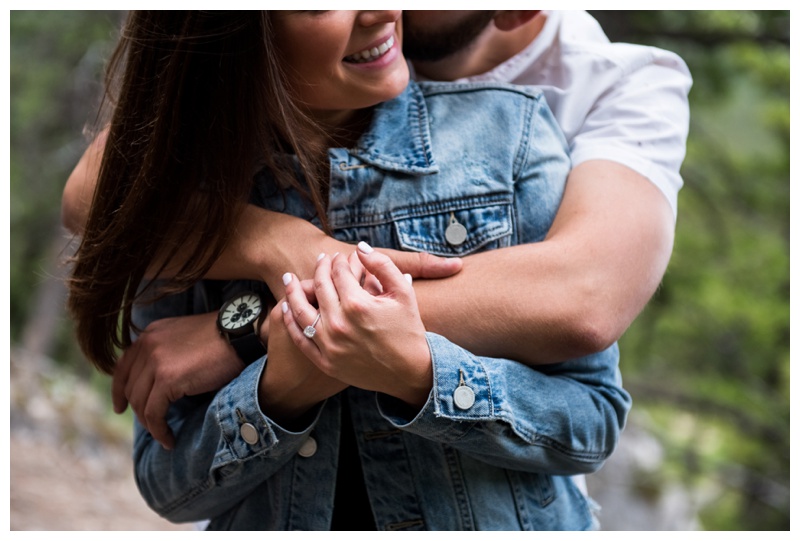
{"x":511,"y":19}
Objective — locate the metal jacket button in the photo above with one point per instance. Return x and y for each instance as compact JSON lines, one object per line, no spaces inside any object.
{"x":249,"y":433}
{"x":463,"y":396}
{"x":455,"y":233}
{"x":308,"y":449}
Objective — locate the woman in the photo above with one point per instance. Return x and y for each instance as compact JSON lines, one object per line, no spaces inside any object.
{"x":446,"y":440}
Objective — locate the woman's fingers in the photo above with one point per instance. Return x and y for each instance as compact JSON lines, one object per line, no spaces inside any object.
{"x":384,"y":269}
{"x":306,"y":345}
{"x":341,"y":280}
{"x":303,"y":312}
{"x":365,"y":278}
{"x":327,"y":295}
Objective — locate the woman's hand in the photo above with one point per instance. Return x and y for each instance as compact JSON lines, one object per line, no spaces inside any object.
{"x":374,"y":342}
{"x":290,"y":384}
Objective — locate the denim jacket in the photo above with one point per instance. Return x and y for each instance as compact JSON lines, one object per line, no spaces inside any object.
{"x":491,"y":158}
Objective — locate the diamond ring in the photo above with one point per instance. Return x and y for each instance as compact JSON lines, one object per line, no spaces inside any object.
{"x":310,"y":331}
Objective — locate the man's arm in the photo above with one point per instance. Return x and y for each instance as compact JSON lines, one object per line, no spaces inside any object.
{"x":572,"y":294}
{"x":76,"y":201}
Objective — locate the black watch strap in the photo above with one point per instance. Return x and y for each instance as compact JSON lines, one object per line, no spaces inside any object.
{"x":248,"y":347}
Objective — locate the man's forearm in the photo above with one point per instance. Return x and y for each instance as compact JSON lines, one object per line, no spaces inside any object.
{"x":573,"y":294}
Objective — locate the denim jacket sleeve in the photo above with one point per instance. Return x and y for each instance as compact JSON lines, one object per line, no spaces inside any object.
{"x":560,"y":419}
{"x":215,"y":463}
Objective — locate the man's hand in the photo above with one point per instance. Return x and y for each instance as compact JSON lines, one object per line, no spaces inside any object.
{"x":172,"y":358}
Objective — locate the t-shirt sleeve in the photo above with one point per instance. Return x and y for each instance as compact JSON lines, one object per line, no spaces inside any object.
{"x":642,"y":122}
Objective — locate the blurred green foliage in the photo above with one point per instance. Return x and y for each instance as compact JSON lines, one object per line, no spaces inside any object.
{"x":713,"y":345}
{"x":708,"y":359}
{"x":56,"y":80}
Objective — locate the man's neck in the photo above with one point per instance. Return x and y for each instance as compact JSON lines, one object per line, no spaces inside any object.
{"x":492,"y":48}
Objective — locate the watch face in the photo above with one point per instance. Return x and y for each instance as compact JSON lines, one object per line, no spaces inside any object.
{"x":240,"y":311}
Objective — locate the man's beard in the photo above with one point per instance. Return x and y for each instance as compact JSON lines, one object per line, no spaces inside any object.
{"x":433,"y":45}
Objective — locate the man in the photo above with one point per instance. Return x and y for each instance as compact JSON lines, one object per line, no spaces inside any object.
{"x":624,"y":111}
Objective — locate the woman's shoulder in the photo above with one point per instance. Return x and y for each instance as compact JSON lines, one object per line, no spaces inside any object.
{"x":488,"y":89}
{"x":504,"y":109}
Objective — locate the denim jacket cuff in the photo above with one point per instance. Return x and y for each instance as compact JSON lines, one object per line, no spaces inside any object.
{"x":461,"y":392}
{"x":245,"y":431}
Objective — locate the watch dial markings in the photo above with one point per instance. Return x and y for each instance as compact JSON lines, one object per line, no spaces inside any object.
{"x":241,"y":311}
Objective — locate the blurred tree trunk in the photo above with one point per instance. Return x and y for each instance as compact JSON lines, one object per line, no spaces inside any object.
{"x":45,"y":319}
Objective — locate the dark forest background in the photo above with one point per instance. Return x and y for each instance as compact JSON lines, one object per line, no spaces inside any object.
{"x":707,"y":362}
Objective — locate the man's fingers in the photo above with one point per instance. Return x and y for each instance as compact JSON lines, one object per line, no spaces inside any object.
{"x":138,"y":393}
{"x":154,"y":420}
{"x":120,"y":379}
{"x":424,"y":265}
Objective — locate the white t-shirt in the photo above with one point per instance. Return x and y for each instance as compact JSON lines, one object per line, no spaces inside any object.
{"x":614,"y":101}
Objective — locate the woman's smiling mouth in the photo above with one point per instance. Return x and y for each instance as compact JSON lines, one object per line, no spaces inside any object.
{"x":370,"y":55}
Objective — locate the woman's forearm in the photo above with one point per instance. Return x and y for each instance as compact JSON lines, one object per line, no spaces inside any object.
{"x":263,"y":247}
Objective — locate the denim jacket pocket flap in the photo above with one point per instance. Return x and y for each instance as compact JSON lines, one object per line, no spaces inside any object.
{"x":457,"y":227}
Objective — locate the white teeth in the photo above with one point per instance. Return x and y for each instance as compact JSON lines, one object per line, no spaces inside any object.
{"x":374,"y":53}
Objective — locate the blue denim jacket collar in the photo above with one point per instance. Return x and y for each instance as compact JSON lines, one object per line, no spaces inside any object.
{"x":399,"y":139}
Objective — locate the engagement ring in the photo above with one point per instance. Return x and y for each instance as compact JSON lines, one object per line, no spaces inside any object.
{"x":310,"y":331}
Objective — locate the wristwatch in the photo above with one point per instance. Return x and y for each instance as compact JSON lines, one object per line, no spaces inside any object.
{"x":239,"y":321}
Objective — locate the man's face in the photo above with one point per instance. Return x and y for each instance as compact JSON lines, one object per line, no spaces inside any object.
{"x":434,"y":35}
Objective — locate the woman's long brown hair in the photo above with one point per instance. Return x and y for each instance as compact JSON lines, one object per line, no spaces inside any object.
{"x":197,"y":101}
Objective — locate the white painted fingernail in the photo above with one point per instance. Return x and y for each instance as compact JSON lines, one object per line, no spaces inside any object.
{"x":287,"y":278}
{"x":409,"y":278}
{"x":284,"y":307}
{"x":365,"y":248}
{"x":334,"y":255}
{"x":320,"y":256}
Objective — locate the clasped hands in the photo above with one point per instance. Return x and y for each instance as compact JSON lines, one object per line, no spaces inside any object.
{"x":370,"y":335}
{"x":374,"y":340}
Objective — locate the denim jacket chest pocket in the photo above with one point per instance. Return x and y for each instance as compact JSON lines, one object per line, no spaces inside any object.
{"x":456,"y":227}
{"x":425,"y":213}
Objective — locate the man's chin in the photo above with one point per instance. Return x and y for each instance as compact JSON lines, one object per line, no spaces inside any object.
{"x":434,"y":43}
